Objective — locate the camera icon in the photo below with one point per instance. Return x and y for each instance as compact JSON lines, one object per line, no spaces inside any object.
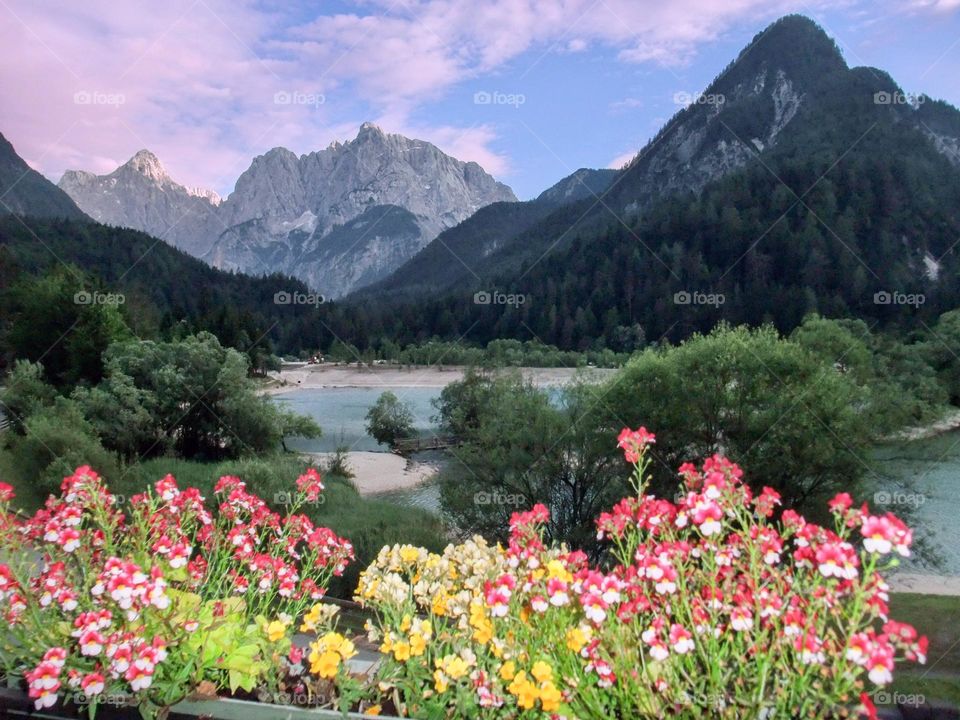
{"x":82,"y":98}
{"x":682,"y":298}
{"x":282,"y":98}
{"x":882,"y":497}
{"x":282,"y":498}
{"x":882,"y":98}
{"x":882,"y":298}
{"x":482,"y":98}
{"x":482,"y":498}
{"x":282,"y":298}
{"x":83,"y":298}
{"x":482,"y":298}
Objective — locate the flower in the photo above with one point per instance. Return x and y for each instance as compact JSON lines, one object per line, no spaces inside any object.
{"x":275,"y":631}
{"x":634,"y":442}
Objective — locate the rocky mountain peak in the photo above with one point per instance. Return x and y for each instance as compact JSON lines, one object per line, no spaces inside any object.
{"x":147,"y":164}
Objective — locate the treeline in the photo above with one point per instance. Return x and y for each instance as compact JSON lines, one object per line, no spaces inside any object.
{"x":163,"y":292}
{"x":497,"y":353}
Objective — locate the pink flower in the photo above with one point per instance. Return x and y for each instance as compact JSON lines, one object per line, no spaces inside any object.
{"x":634,"y":442}
{"x":310,"y":484}
{"x":6,"y":492}
{"x":837,"y":559}
{"x":681,"y":640}
{"x":92,"y":684}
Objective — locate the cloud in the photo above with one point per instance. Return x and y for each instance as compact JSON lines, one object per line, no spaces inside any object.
{"x":620,"y":160}
{"x":629,"y":103}
{"x":197,"y":81}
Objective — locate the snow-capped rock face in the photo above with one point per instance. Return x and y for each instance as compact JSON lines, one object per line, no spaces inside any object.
{"x":141,"y":195}
{"x":284,"y":208}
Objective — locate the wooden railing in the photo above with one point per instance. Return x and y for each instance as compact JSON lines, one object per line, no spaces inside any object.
{"x":437,"y":442}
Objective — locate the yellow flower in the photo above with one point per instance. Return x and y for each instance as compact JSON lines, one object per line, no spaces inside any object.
{"x":409,"y":554}
{"x":439,"y":605}
{"x":542,"y":671}
{"x":418,"y":644}
{"x":550,"y":697}
{"x":405,"y":623}
{"x":454,"y":666}
{"x":325,"y":664}
{"x":372,"y":710}
{"x":556,"y":569}
{"x":524,"y":690}
{"x":508,"y":670}
{"x":440,"y":682}
{"x":401,"y":651}
{"x":275,"y":631}
{"x":576,"y":639}
{"x":484,"y":633}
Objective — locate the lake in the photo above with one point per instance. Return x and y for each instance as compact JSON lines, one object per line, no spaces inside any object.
{"x":342,"y":413}
{"x":922,"y":479}
{"x":919,"y":479}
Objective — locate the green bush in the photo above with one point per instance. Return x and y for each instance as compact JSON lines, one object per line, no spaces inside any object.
{"x":57,"y":440}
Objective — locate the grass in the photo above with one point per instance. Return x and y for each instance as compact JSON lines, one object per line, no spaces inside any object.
{"x":368,"y":523}
{"x":937,"y":617}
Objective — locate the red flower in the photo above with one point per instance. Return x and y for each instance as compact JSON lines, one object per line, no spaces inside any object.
{"x":634,"y":442}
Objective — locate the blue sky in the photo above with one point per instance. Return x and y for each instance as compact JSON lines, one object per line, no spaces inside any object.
{"x":569,"y":83}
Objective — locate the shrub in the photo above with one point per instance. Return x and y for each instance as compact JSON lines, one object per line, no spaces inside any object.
{"x":56,"y":440}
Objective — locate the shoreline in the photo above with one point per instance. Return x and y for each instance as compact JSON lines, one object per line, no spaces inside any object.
{"x":381,"y":472}
{"x":924,"y":584}
{"x":318,"y":377}
{"x":950,"y":421}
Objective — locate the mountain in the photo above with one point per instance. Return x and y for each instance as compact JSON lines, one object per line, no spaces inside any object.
{"x":339,"y":218}
{"x":24,"y":191}
{"x":810,"y":187}
{"x":163,"y":286}
{"x":141,"y":195}
{"x":449,"y":259}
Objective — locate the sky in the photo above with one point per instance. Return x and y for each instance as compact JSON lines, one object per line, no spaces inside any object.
{"x":530,"y":89}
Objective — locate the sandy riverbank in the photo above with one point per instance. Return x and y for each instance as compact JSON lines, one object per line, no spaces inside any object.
{"x":344,"y":376}
{"x":924,"y":584}
{"x":950,"y":421}
{"x":377,"y":472}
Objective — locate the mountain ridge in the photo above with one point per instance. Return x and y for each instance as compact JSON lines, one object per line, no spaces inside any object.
{"x":284,"y":205}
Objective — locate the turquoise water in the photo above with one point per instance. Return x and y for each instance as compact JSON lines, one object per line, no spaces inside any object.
{"x":342,"y":412}
{"x":919,"y":480}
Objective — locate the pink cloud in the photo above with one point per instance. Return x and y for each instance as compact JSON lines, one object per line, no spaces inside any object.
{"x":94,"y":82}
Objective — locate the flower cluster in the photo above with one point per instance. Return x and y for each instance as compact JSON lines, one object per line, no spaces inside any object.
{"x":151,"y":601}
{"x":711,"y":605}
